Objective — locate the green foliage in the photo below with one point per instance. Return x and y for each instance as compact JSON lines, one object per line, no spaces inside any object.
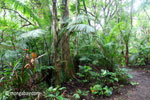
{"x":108,"y":44}
{"x":108,"y":81}
{"x":79,"y":25}
{"x":97,"y":37}
{"x":5,"y":95}
{"x":23,"y":8}
{"x":105,"y":81}
{"x":108,"y":77}
{"x":134,"y":83}
{"x":97,"y":89}
{"x":54,"y":93}
{"x":76,"y":96}
{"x":79,"y":93}
{"x":84,"y":73}
{"x":32,"y":34}
{"x":140,"y":55}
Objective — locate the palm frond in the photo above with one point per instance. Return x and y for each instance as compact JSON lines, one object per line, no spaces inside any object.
{"x":34,"y":34}
{"x":5,"y":46}
{"x":81,"y":28}
{"x":114,"y":33}
{"x":81,"y":19}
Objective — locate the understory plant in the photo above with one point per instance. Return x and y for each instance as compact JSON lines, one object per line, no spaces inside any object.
{"x":55,"y":93}
{"x":104,"y":82}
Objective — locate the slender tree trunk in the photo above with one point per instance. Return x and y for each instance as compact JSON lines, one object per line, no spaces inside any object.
{"x":127,"y":42}
{"x":77,"y":7}
{"x":65,"y":47}
{"x":77,"y":13}
{"x":86,"y":11}
{"x":47,"y":49}
{"x":127,"y":54}
{"x":119,"y":20}
{"x":55,"y":41}
{"x":131,"y":11}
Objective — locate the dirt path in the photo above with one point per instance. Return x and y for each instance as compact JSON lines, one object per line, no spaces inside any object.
{"x":138,"y":92}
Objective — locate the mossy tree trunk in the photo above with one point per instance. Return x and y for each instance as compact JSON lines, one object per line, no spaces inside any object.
{"x":55,"y":41}
{"x":65,"y":46}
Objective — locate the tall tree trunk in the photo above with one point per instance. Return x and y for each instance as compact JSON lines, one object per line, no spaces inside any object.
{"x":65,"y":46}
{"x":131,"y":11}
{"x":55,"y":41}
{"x":77,"y":13}
{"x":127,"y":42}
{"x":77,"y":7}
{"x":127,"y":54}
{"x":119,"y":20}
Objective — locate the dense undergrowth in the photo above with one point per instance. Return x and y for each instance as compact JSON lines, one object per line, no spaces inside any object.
{"x":98,"y":83}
